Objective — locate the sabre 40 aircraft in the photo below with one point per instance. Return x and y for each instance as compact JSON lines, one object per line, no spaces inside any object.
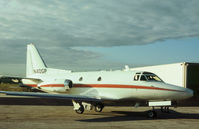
{"x":89,"y":90}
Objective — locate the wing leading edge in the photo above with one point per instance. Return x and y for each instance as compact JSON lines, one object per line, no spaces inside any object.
{"x":57,"y":96}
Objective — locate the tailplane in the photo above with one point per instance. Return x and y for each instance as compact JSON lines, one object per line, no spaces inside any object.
{"x":34,"y":62}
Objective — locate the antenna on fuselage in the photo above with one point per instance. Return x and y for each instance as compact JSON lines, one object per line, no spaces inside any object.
{"x":126,"y":68}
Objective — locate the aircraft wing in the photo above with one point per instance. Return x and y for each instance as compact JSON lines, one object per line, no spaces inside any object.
{"x":47,"y":95}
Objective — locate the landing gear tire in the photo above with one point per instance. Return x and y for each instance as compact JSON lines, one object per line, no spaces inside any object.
{"x":80,"y":110}
{"x":151,"y":114}
{"x":99,"y":107}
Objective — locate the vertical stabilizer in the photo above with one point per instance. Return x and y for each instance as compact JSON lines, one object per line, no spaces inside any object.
{"x":34,"y":63}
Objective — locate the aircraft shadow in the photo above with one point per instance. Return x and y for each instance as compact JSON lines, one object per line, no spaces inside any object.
{"x":34,"y":101}
{"x":113,"y":116}
{"x":116,"y":116}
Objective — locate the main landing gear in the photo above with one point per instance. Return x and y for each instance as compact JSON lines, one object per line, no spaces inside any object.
{"x":80,"y":110}
{"x":80,"y":107}
{"x":99,"y":107}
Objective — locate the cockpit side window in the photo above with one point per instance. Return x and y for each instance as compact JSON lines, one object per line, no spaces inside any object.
{"x":143,"y":78}
{"x":146,"y":76}
{"x":137,"y":76}
{"x":152,"y":77}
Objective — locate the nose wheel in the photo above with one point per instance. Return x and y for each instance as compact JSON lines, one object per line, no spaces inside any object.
{"x":151,"y":114}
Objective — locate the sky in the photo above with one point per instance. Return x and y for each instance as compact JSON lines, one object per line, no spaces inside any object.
{"x":98,"y":34}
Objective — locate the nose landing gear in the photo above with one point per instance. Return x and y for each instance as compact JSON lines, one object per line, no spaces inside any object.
{"x":165,"y":109}
{"x":152,"y":113}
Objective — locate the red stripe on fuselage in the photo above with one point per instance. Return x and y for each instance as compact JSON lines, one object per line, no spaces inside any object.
{"x":53,"y":85}
{"x":107,"y":86}
{"x":48,"y":85}
{"x":121,"y":86}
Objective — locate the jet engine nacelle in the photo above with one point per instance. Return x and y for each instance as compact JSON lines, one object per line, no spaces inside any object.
{"x":68,"y":84}
{"x":56,"y":85}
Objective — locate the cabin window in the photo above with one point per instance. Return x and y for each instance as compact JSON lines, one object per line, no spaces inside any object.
{"x":99,"y":79}
{"x":81,"y":78}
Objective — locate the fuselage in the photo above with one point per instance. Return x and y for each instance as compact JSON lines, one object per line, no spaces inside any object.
{"x":110,"y":85}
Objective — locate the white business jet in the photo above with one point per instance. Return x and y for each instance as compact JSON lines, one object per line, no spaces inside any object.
{"x":89,"y":90}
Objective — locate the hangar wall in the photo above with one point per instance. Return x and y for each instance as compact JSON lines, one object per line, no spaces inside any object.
{"x":193,"y":77}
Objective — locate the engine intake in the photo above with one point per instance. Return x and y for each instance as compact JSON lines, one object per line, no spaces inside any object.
{"x":68,"y":84}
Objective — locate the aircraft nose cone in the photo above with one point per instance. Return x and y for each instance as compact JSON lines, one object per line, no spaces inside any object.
{"x":189,"y":93}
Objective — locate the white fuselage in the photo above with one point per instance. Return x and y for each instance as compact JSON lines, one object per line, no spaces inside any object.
{"x":108,"y":85}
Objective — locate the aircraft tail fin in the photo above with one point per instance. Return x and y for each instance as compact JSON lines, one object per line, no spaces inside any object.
{"x":34,"y":62}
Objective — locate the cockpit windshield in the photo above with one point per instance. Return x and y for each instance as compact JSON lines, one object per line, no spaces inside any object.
{"x":151,"y":77}
{"x":146,"y":76}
